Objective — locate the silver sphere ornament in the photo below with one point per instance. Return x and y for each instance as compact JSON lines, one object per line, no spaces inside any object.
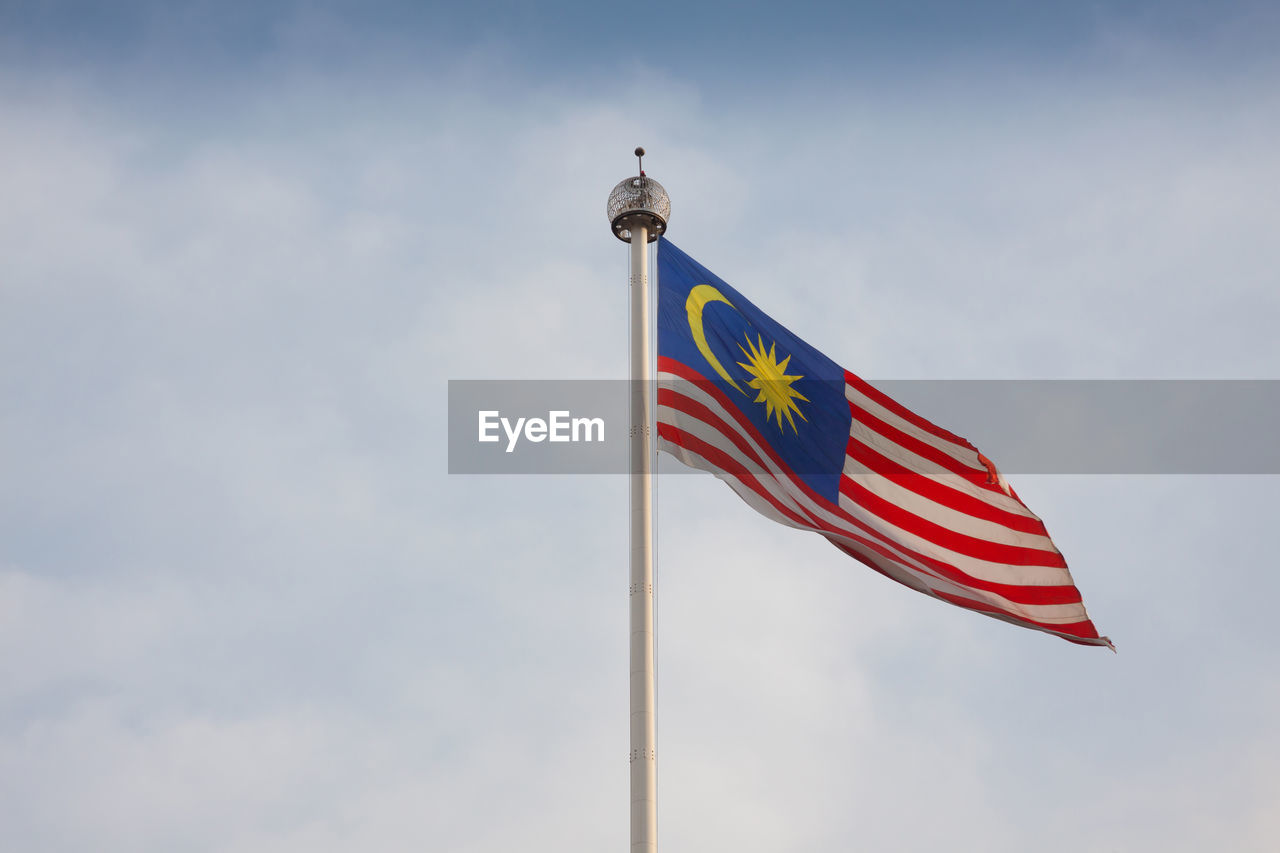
{"x":638,"y":201}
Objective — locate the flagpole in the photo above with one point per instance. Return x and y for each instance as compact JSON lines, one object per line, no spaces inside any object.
{"x":638,"y":211}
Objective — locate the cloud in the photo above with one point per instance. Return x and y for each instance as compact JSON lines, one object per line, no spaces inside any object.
{"x":244,"y":606}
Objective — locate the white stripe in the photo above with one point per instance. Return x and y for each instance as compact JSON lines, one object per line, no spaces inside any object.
{"x":912,"y":461}
{"x":914,"y":576}
{"x":959,"y":452}
{"x":771,"y":477}
{"x":975,"y":567}
{"x":917,"y":464}
{"x":759,"y":504}
{"x":939,"y":513}
{"x":1058,"y":614}
{"x":792,"y":496}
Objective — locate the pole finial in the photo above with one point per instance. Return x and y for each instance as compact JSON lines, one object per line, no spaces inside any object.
{"x":640,"y":159}
{"x":640,"y":200}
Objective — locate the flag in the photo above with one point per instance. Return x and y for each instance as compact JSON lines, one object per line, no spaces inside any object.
{"x":813,"y":446}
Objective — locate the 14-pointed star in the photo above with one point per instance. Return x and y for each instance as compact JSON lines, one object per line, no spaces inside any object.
{"x":771,"y":380}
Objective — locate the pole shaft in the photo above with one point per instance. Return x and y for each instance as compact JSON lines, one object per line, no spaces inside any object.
{"x":644,"y":809}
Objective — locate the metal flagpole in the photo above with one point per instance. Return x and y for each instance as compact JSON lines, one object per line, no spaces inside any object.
{"x":638,"y":212}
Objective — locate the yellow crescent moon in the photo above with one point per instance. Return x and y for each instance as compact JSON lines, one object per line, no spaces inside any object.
{"x":699,"y":296}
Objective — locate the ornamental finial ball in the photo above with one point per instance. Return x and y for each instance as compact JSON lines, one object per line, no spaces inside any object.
{"x":638,"y":201}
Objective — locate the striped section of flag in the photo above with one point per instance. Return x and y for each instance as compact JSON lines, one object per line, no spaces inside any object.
{"x":905,"y":497}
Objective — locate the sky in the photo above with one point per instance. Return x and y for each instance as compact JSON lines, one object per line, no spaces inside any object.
{"x":244,"y":247}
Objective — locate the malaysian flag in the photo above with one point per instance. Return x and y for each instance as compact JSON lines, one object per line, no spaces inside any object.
{"x":813,"y":446}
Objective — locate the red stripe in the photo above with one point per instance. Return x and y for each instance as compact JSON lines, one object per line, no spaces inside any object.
{"x":1019,"y":593}
{"x":724,"y":462}
{"x":887,"y":402}
{"x":1082,"y":632}
{"x":1075,"y":631}
{"x":729,"y":465}
{"x":945,"y":537}
{"x":941,"y":493}
{"x":705,"y":385}
{"x":1016,"y":593}
{"x":948,"y":497}
{"x":945,"y":461}
{"x":697,"y":410}
{"x":924,"y":580}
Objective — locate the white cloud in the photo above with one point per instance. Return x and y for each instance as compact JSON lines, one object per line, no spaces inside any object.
{"x":245,"y":608}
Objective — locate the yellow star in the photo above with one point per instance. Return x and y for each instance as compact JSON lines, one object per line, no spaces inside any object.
{"x":772,"y":381}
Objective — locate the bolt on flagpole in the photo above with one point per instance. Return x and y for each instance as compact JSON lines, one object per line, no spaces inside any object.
{"x":638,"y":211}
